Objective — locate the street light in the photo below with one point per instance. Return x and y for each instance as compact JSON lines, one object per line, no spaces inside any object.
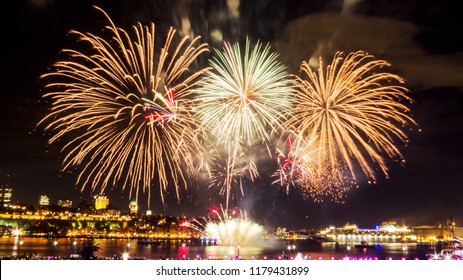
{"x":290,"y":247}
{"x":73,"y":249}
{"x":128,"y":247}
{"x":348,"y":251}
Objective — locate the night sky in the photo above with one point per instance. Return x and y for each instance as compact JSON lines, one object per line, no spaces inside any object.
{"x":420,"y":38}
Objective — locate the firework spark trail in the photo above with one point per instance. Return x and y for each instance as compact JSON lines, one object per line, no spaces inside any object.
{"x":354,"y":110}
{"x":243,"y":99}
{"x":227,"y":174}
{"x":229,"y":169}
{"x":126,"y":108}
{"x":294,"y":161}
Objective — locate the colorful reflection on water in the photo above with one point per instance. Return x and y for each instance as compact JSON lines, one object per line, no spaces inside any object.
{"x":197,"y":249}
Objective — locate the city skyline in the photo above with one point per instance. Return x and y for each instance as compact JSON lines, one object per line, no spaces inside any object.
{"x":419,"y":43}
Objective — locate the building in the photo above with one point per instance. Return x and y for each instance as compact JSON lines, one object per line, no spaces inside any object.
{"x":393,"y":228}
{"x":44,"y":200}
{"x":111,"y":213}
{"x":101,"y":202}
{"x":349,"y":228}
{"x":133,"y":206}
{"x":5,"y":195}
{"x":66,"y":203}
{"x":458,"y":232}
{"x":281,"y":233}
{"x":430,"y":233}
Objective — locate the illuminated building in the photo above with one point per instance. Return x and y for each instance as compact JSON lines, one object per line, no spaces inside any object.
{"x":393,"y":228}
{"x":65,"y":203}
{"x":133,"y":206}
{"x":350,"y":228}
{"x":281,"y":232}
{"x":430,"y":233}
{"x":5,"y":195}
{"x":434,"y":233}
{"x":5,"y":230}
{"x":458,"y":232}
{"x":44,"y":200}
{"x":111,"y":213}
{"x":101,"y":202}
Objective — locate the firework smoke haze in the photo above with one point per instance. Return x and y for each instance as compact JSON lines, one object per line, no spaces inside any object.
{"x":126,"y":107}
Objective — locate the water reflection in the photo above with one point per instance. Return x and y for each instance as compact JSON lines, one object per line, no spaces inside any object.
{"x":233,"y":252}
{"x":195,"y":249}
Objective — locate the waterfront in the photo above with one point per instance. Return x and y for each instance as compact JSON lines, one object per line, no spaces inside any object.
{"x":43,"y":248}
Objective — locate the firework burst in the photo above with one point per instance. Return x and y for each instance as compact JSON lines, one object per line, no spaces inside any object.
{"x":231,"y":227}
{"x":242,"y":99}
{"x":353,"y":108}
{"x":126,"y":108}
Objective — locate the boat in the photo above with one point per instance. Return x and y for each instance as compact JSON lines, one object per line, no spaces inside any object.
{"x":363,"y":245}
{"x":148,"y":242}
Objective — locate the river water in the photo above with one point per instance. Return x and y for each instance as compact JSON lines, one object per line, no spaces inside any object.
{"x":197,"y":249}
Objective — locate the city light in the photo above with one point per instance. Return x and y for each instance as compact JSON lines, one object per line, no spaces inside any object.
{"x":125,"y":256}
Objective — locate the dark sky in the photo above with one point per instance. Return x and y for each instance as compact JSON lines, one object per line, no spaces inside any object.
{"x":420,"y":38}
